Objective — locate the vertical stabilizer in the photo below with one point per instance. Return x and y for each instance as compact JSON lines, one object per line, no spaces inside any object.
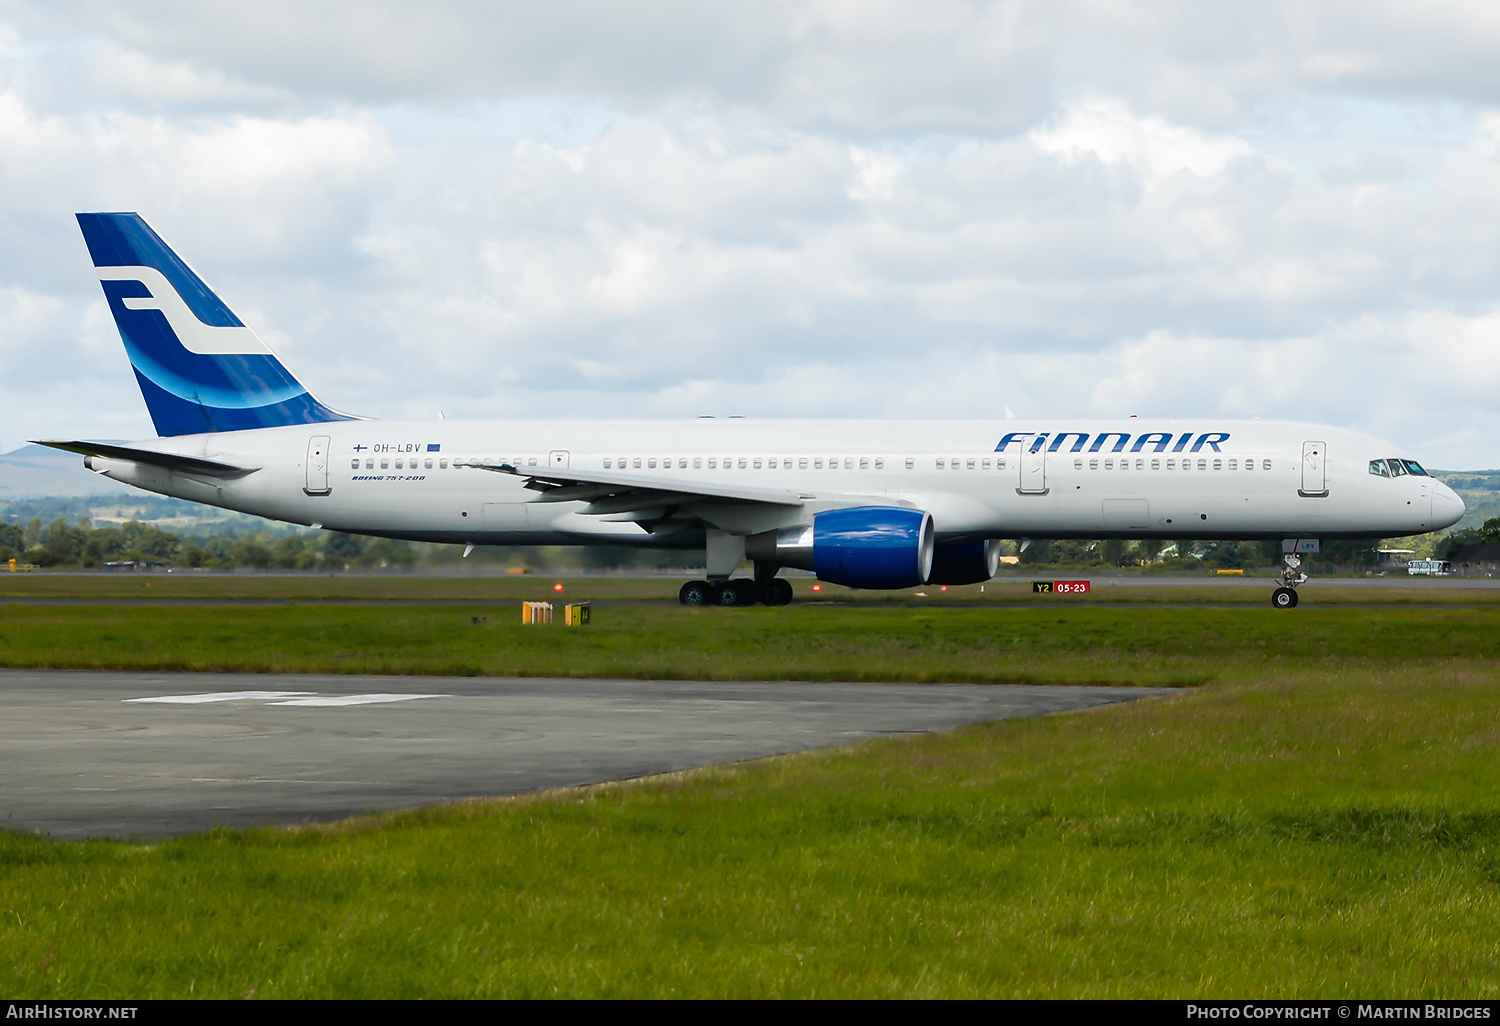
{"x":199,"y":367}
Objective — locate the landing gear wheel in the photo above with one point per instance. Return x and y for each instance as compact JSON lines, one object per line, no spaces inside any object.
{"x":776,"y":592}
{"x":698,"y":593}
{"x":742,"y":592}
{"x":1284,"y":598}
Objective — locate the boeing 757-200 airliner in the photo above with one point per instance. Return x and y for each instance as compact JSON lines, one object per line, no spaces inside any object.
{"x":869,"y":504}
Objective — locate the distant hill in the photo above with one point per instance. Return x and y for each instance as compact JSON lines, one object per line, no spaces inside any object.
{"x":34,"y":471}
{"x":36,"y":481}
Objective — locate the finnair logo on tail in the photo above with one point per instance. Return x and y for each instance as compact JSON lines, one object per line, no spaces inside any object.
{"x":192,"y":333}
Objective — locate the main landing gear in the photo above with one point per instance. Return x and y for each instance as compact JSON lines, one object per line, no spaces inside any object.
{"x":1285,"y":597}
{"x":739,"y":592}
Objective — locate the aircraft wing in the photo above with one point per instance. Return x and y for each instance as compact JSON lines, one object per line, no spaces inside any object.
{"x":609,"y":492}
{"x":167,"y":460}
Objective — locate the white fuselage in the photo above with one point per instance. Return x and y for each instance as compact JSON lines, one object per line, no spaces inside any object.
{"x":1162,"y":479}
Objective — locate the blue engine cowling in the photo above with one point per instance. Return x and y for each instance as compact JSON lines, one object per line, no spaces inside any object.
{"x":965,"y":562}
{"x":873,"y":546}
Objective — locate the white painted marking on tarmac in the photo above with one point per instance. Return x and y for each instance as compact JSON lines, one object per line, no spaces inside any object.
{"x":337,"y":700}
{"x":304,"y":699}
{"x":222,"y":696}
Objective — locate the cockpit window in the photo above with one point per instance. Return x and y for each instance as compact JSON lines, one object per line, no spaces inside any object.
{"x":1396,"y":468}
{"x":1413,"y":467}
{"x":1377,"y":467}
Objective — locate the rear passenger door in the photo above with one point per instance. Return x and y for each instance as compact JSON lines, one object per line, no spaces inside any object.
{"x":317,"y":466}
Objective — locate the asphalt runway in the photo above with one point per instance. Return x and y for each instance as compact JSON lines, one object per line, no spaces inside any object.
{"x":92,"y":754}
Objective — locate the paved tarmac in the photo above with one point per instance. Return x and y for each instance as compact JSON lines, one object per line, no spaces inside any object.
{"x":89,"y":754}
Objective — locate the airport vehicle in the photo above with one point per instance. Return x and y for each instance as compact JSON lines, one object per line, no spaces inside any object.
{"x":869,"y":504}
{"x":1429,"y":568}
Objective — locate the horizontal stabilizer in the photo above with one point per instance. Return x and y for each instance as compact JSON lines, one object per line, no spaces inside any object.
{"x":166,"y":460}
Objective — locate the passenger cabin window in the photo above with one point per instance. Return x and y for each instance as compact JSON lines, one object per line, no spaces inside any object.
{"x":1109,"y":464}
{"x":802,"y":462}
{"x":880,"y":462}
{"x":697,"y":462}
{"x":985,"y":464}
{"x":910,"y":463}
{"x":385,"y":464}
{"x":443,"y":464}
{"x":713,"y":464}
{"x":1377,"y":467}
{"x":1265,"y":465}
{"x":940,"y":465}
{"x":771,"y":463}
{"x":606,"y":462}
{"x":864,"y":463}
{"x":1203,"y":464}
{"x":1218,"y":464}
{"x":354,"y":464}
{"x":1093,"y":464}
{"x":1078,"y":464}
{"x":1234,"y":464}
{"x":1171,"y":464}
{"x":1000,"y":464}
{"x":742,"y":463}
{"x":636,"y":463}
{"x":817,"y":463}
{"x":427,"y":463}
{"x":1156,"y":464}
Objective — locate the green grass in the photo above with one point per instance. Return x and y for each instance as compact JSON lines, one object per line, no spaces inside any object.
{"x":402,"y":587}
{"x":1044,"y":642}
{"x":1319,"y":817}
{"x":1314,"y":832}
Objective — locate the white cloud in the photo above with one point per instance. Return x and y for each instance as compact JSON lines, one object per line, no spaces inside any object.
{"x":883,"y":209}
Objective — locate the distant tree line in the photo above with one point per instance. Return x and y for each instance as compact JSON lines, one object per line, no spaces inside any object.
{"x":1487,"y":533}
{"x":1187,"y":555}
{"x":62,"y":543}
{"x":79,"y":543}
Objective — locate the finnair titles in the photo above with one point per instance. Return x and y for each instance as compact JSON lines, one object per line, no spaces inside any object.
{"x":869,"y":504}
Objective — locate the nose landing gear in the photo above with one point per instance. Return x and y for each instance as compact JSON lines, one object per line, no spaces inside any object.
{"x":1285,"y":597}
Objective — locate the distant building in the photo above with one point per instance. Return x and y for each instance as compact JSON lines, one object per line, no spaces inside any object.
{"x":1476,"y":560}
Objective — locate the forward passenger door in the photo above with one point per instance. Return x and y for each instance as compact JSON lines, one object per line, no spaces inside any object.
{"x":1314,"y":470}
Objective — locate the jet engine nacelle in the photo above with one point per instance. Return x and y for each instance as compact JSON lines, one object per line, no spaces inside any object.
{"x":861,"y":547}
{"x":965,"y":562}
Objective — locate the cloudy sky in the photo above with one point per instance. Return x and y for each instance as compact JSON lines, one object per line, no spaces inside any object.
{"x":840,"y":209}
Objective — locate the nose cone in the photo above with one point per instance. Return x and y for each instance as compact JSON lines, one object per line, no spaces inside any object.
{"x":1447,"y":508}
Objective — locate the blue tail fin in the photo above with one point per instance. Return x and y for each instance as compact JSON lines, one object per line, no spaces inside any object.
{"x":199,"y":368}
